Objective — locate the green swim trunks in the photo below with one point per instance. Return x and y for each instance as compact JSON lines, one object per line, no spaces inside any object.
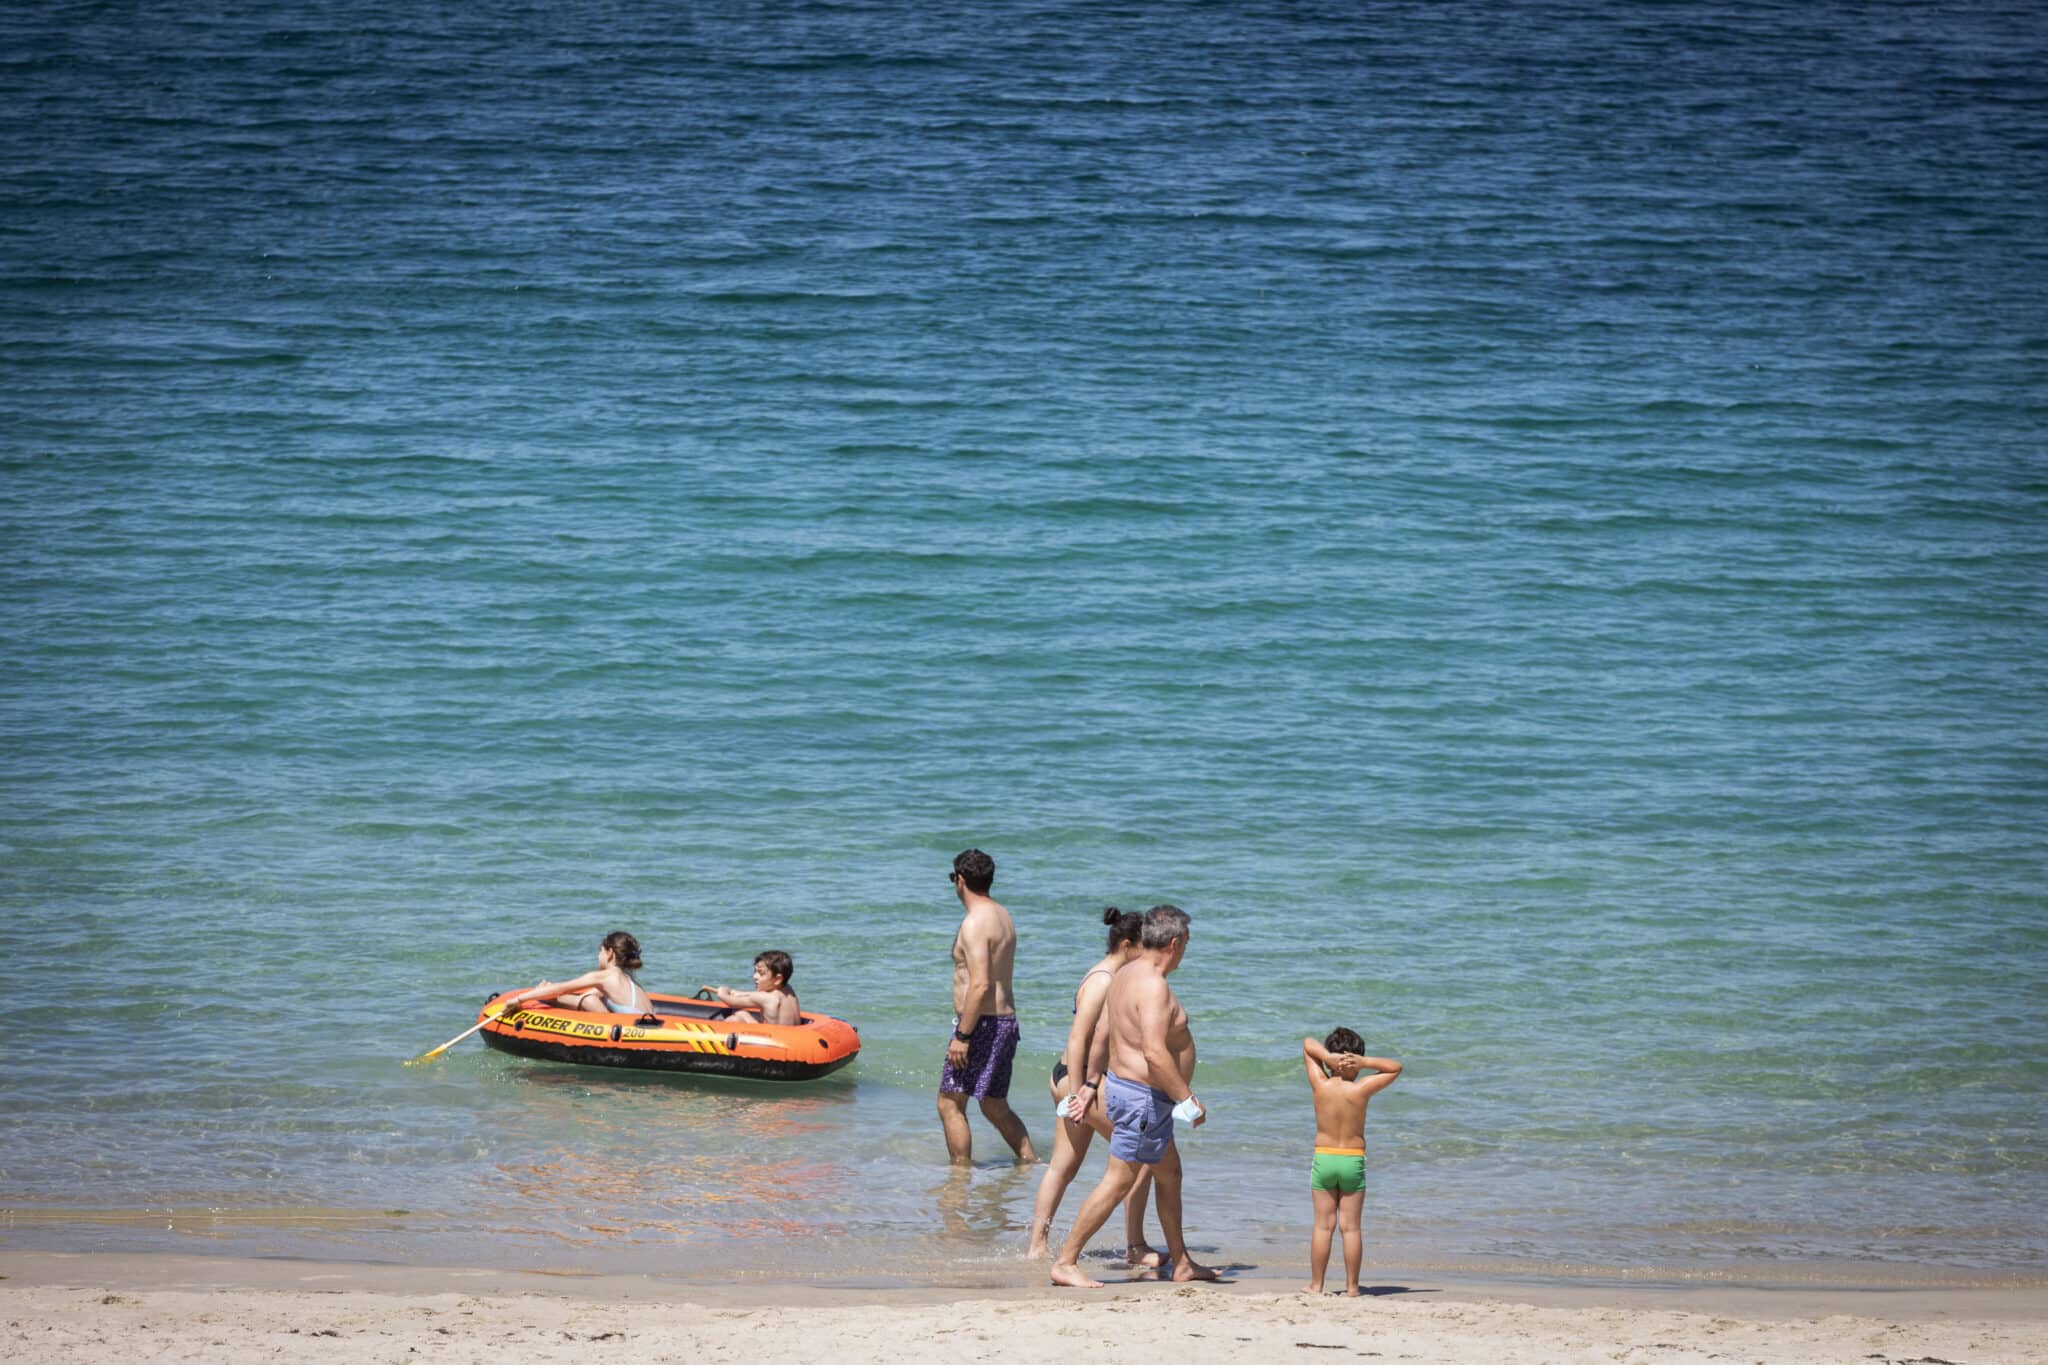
{"x":1337,"y":1168}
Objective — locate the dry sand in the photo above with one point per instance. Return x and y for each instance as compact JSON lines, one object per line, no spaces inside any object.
{"x":174,"y":1308}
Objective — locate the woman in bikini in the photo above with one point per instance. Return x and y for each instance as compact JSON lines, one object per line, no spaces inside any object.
{"x":1070,"y":1142}
{"x":611,"y":989}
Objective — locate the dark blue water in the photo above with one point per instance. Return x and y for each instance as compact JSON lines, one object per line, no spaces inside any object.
{"x":1528,"y":524}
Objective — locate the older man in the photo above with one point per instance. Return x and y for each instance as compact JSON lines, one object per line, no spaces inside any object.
{"x":984,"y":1015}
{"x":1143,"y":1061}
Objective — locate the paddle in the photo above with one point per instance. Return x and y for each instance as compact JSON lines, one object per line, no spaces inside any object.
{"x":429,"y":1056}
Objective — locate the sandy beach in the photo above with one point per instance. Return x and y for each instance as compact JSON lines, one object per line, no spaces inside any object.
{"x":61,"y":1308}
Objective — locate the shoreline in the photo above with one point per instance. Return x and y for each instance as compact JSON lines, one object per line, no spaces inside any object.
{"x":2014,"y":1298}
{"x":26,"y":1233}
{"x":85,"y":1306}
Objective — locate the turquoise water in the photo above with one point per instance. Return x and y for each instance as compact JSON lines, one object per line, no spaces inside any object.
{"x":1530,"y":532}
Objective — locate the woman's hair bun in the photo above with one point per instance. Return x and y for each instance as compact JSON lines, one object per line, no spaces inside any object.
{"x":1111,"y":915}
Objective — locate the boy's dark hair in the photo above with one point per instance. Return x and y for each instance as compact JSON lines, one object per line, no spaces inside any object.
{"x":777,"y":962}
{"x":976,"y":869}
{"x":1342,"y":1040}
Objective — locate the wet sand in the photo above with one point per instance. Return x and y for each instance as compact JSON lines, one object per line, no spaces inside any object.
{"x":60,"y":1308}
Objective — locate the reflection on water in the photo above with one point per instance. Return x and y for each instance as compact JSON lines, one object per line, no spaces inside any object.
{"x":979,"y":1206}
{"x":594,"y":1158}
{"x":739,"y":1175}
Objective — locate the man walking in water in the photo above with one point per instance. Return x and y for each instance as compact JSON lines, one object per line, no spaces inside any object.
{"x":985,"y":1015}
{"x":1142,"y":1059}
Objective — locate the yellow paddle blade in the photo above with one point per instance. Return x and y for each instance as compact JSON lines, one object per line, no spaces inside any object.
{"x":429,"y":1056}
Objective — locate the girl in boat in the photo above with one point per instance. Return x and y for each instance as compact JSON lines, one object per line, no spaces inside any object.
{"x":611,"y":989}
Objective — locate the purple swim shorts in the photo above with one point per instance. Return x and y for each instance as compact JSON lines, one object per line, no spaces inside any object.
{"x":990,"y":1050}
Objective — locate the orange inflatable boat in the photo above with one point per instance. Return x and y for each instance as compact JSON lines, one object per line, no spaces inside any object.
{"x":678,"y":1034}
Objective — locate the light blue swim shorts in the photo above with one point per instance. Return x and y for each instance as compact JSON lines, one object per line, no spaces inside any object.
{"x":1140,"y":1118}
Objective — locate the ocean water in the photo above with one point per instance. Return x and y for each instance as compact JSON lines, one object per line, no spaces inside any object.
{"x":1528,"y":522}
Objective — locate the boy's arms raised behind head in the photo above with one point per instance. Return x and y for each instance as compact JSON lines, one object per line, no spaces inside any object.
{"x":1347,"y":1065}
{"x":1389,"y":1071}
{"x":1316,"y":1057}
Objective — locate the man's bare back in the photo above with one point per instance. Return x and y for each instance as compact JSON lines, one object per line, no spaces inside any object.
{"x":987,"y":932}
{"x":1141,"y":1009}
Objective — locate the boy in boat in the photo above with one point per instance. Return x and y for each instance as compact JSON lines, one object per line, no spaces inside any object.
{"x":771,"y":1001}
{"x":1336,"y":1179}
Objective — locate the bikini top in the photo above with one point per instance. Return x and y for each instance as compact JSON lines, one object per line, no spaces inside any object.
{"x":633,"y":992}
{"x":1099,"y":971}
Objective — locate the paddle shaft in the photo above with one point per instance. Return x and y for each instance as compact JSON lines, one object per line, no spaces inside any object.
{"x":429,"y":1056}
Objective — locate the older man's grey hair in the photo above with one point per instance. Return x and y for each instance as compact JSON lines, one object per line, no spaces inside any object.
{"x":1164,"y":924}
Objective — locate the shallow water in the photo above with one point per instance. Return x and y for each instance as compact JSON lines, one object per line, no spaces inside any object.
{"x":1531,"y":534}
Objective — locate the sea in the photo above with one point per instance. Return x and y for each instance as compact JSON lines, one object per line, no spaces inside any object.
{"x":1528,"y":521}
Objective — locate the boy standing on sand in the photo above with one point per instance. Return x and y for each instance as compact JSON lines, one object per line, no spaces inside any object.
{"x":1336,"y":1179}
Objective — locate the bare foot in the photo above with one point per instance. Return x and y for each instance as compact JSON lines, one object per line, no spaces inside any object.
{"x":1353,"y":1293}
{"x":1315,"y":1289}
{"x":1184,"y":1270}
{"x":1072,"y":1277}
{"x":1040,"y":1248}
{"x":1141,"y":1257}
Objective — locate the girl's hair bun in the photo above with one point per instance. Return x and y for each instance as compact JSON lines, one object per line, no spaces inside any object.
{"x":1111,"y":915}
{"x":625,"y":949}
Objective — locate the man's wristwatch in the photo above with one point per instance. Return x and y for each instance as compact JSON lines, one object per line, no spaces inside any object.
{"x":958,"y":1036}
